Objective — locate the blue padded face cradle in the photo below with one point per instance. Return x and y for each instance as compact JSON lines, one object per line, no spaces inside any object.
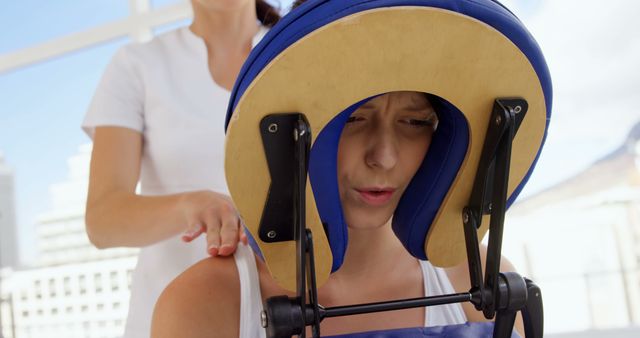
{"x":427,"y":190}
{"x":423,"y":196}
{"x":429,"y":186}
{"x":323,"y":175}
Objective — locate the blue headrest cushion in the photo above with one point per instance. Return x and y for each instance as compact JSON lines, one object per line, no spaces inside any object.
{"x":423,"y":196}
{"x":429,"y":186}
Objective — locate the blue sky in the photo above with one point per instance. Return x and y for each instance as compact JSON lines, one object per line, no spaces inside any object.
{"x":42,"y":105}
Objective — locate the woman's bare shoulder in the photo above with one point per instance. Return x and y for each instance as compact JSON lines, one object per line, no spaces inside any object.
{"x":203,"y":301}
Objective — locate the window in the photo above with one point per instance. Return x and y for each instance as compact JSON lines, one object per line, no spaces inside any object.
{"x":52,"y":287}
{"x":38,"y":289}
{"x":97,"y":281}
{"x":113,"y":276}
{"x":82,"y":284}
{"x":66,"y":282}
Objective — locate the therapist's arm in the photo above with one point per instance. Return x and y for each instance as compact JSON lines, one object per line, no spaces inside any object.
{"x":116,"y":216}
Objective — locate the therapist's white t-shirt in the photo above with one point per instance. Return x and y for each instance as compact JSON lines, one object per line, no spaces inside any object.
{"x":163,"y":89}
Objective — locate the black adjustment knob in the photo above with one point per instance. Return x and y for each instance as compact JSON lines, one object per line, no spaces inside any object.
{"x":282,"y":317}
{"x":512,"y":291}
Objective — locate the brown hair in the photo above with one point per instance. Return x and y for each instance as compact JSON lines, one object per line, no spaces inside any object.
{"x":267,"y":14}
{"x":297,"y":3}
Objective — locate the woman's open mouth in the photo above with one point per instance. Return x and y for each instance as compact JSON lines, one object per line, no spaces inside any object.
{"x":375,"y":196}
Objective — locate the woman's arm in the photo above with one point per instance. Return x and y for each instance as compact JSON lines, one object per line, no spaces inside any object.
{"x":460,"y":280}
{"x":116,"y":216}
{"x":204,"y":301}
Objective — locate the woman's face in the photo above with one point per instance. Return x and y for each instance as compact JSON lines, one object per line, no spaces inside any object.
{"x":381,"y":147}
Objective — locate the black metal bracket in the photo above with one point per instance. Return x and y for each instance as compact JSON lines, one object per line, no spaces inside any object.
{"x":277,"y":223}
{"x":500,"y":295}
{"x":488,"y":197}
{"x":286,"y":316}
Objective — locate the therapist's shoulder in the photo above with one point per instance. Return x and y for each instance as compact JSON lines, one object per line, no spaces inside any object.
{"x":154,"y":50}
{"x":203,"y":301}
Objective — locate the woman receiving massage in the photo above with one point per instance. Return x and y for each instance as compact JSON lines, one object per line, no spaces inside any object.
{"x":382,"y":145}
{"x":381,"y":140}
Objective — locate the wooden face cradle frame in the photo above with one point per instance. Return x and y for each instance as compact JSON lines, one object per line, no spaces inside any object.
{"x":453,"y":56}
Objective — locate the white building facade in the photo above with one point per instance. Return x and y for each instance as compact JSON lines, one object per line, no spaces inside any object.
{"x":74,"y":300}
{"x":580,"y":242}
{"x":75,"y":290}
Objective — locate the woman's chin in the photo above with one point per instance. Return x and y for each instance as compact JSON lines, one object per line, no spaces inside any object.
{"x":368,"y":222}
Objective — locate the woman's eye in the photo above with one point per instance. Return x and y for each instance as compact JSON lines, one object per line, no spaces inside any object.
{"x":354,"y":119}
{"x":421,"y":123}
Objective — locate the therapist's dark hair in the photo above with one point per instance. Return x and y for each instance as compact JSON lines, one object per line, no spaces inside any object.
{"x":297,"y":3}
{"x":267,"y":14}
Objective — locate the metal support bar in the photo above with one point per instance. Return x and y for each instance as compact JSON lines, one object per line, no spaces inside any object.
{"x":313,"y":288}
{"x":395,"y":305}
{"x":488,"y":197}
{"x":504,"y":118}
{"x":302,"y":139}
{"x":473,"y":258}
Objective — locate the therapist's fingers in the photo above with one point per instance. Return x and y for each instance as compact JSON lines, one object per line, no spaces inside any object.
{"x":194,"y":230}
{"x":213,"y":234}
{"x":229,"y":234}
{"x":243,"y":235}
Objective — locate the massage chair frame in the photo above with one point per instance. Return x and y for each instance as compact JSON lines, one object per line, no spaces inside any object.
{"x":500,"y":295}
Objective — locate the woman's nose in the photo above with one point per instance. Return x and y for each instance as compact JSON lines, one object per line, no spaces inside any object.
{"x":383,"y":152}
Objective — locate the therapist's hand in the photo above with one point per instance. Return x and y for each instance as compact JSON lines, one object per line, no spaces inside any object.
{"x":213,"y":214}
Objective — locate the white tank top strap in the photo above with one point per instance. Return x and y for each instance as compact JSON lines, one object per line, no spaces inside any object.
{"x":436,"y":283}
{"x":250,"y":296}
